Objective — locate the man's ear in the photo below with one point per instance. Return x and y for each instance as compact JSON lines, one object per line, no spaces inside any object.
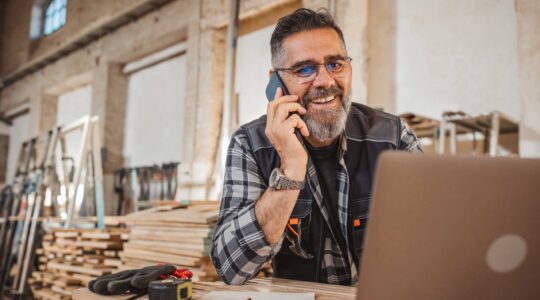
{"x":270,"y":73}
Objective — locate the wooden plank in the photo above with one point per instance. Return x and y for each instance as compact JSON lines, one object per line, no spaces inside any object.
{"x":66,"y":291}
{"x":46,"y":294}
{"x":172,"y":237}
{"x":102,"y":235}
{"x":164,"y":248}
{"x":190,"y":215}
{"x":158,"y":224}
{"x":56,"y":249}
{"x":64,"y":281}
{"x":162,"y":257}
{"x":83,"y":278}
{"x":112,"y":262}
{"x":96,"y":266}
{"x":85,"y":294}
{"x":197,"y":243}
{"x":205,"y":270}
{"x":78,"y":269}
{"x":188,"y":232}
{"x":100,"y":244}
{"x":110,"y":253}
{"x":66,"y":234}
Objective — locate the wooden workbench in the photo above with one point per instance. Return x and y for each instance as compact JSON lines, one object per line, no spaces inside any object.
{"x":322,"y":291}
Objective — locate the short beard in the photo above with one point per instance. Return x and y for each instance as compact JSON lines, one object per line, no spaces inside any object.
{"x":330,"y":123}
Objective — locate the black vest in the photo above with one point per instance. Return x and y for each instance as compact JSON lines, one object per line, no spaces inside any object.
{"x":368,"y":133}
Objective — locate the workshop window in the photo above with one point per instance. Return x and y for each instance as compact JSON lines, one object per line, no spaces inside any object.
{"x":55,"y":16}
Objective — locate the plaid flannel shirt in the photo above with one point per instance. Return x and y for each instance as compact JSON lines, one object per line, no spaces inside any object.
{"x":239,"y":249}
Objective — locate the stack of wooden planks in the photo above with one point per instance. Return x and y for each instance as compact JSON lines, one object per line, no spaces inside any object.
{"x":70,"y":258}
{"x":178,"y":235}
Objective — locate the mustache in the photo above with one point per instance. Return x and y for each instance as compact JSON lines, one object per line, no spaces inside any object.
{"x":321,"y":93}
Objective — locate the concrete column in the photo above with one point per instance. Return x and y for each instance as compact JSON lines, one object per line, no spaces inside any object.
{"x":209,"y":107}
{"x":36,"y":108}
{"x":48,"y":111}
{"x":528,"y":15}
{"x":109,"y":98}
{"x":381,"y":43}
{"x":192,"y":93}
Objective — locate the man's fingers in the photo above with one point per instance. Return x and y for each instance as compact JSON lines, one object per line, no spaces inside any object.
{"x":279,"y":93}
{"x":271,"y":108}
{"x":285,"y":109}
{"x":278,"y":100}
{"x":297,"y":122}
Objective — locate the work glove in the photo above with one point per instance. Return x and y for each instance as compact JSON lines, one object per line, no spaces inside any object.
{"x":133,"y":281}
{"x":147,"y":274}
{"x":99,"y":285}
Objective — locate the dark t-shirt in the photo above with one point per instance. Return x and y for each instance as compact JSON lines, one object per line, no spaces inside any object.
{"x":325,"y":161}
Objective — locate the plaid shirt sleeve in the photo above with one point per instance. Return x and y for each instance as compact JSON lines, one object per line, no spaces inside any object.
{"x":239,"y":249}
{"x":409,"y":141}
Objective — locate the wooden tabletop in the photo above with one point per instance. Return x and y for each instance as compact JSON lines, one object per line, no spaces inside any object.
{"x":322,"y":291}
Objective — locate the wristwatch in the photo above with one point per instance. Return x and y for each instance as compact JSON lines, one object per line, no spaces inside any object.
{"x":278,"y":181}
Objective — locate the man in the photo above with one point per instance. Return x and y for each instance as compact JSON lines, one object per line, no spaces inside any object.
{"x":304,"y":202}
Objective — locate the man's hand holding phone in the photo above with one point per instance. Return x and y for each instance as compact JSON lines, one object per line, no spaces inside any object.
{"x":283,"y":117}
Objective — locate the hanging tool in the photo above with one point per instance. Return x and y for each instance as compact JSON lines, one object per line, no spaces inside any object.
{"x":170,"y":171}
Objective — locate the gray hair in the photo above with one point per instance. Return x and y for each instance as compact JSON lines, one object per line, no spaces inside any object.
{"x":302,"y":19}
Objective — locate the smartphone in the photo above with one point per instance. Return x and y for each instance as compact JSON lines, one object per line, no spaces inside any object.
{"x":273,"y":84}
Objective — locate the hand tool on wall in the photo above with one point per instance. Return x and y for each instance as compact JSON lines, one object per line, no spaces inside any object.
{"x":170,"y":171}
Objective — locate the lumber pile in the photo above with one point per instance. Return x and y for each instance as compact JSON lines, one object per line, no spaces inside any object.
{"x":70,"y":258}
{"x":180,"y":235}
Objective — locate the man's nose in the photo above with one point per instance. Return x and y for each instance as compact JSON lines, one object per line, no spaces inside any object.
{"x":323,"y":78}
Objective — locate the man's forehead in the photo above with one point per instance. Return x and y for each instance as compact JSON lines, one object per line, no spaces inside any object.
{"x":312,"y":45}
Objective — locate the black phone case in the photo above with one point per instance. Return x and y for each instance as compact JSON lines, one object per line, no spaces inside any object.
{"x":273,"y":84}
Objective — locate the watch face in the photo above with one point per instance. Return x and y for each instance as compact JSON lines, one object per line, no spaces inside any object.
{"x":273,"y":177}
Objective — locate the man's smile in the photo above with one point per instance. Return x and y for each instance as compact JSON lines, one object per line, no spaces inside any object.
{"x":325,"y":102}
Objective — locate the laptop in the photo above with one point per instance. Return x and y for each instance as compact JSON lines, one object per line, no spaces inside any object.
{"x":444,"y":227}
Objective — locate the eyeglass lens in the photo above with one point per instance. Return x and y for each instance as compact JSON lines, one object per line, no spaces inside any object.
{"x":308,"y":73}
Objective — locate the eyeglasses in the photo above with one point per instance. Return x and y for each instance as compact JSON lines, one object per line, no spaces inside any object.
{"x":305,"y":73}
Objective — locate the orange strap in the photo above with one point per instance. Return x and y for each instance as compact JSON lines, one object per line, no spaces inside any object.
{"x":293,"y":221}
{"x":357,"y":223}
